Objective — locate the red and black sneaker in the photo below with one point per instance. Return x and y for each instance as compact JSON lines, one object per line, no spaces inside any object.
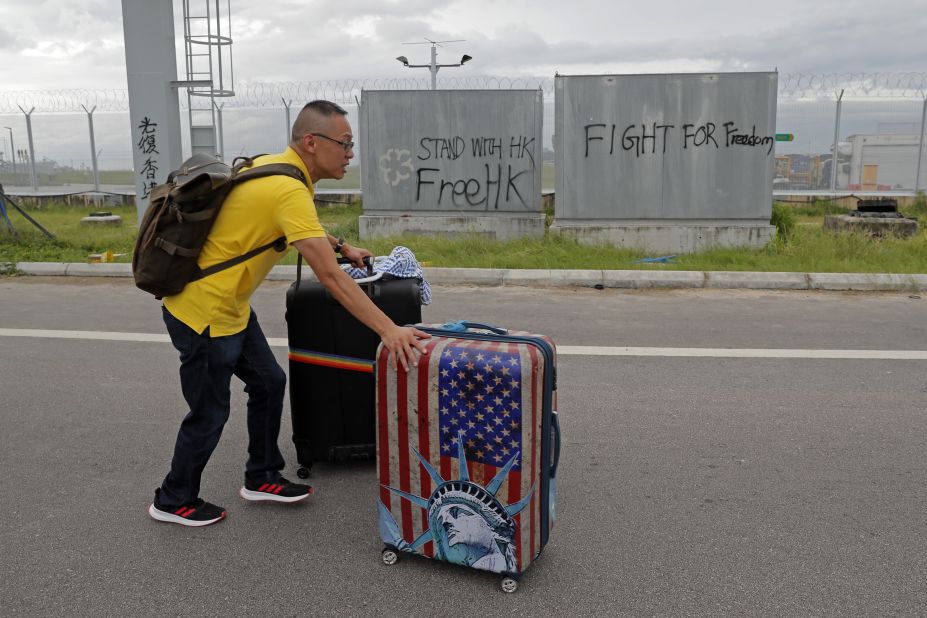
{"x":196,"y":513}
{"x":280,"y":491}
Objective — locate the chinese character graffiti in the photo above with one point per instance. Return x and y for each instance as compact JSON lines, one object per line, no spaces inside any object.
{"x":148,"y":144}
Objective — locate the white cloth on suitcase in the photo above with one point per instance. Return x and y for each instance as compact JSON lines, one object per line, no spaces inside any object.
{"x":400,"y":263}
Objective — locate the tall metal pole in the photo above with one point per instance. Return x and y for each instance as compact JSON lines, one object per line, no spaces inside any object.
{"x":434,"y":68}
{"x":93,"y":149}
{"x":219,"y":128}
{"x":35,"y":186}
{"x":286,"y":106}
{"x":833,"y":165}
{"x":12,"y":150}
{"x":920,"y":150}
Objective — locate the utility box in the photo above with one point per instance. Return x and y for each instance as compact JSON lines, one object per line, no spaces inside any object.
{"x":675,"y":162}
{"x":451,"y":161}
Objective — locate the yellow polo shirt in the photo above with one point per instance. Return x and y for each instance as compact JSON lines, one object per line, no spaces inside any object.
{"x":255,"y":213}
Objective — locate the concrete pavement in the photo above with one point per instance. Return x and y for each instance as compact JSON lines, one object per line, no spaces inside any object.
{"x":689,"y":486}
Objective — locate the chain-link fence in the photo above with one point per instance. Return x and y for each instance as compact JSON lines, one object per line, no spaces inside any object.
{"x":875,"y":122}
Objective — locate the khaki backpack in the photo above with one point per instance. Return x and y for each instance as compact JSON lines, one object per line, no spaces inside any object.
{"x":180,"y":214}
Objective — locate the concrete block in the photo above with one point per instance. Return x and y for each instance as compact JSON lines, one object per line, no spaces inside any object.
{"x":919,"y":282}
{"x":548,"y":200}
{"x":78,"y":269}
{"x":874,"y":226}
{"x":573,"y":278}
{"x":53,"y":269}
{"x":662,"y":238}
{"x":873,"y":282}
{"x":104,"y":220}
{"x":653,"y":279}
{"x":757,"y":280}
{"x":527,"y":277}
{"x":553,"y":278}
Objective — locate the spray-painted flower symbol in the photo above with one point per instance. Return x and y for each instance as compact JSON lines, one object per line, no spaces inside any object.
{"x":396,"y":165}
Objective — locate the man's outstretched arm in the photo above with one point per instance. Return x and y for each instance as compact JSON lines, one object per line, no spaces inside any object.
{"x":401,"y":341}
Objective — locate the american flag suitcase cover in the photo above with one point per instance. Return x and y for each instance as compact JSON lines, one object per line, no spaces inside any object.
{"x":488,"y":400}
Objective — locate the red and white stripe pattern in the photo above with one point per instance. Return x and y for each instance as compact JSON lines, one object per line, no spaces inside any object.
{"x":408,"y":417}
{"x":271,"y":488}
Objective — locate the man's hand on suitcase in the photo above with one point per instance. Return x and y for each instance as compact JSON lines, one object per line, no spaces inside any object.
{"x":355,"y":254}
{"x":405,"y":345}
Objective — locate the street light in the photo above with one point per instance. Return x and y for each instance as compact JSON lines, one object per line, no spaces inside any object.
{"x":433,"y":66}
{"x":12,"y":150}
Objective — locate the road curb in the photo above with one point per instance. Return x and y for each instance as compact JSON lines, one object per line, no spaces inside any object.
{"x":623,"y":279}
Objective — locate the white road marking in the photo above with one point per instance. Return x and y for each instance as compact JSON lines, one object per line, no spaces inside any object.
{"x":746,"y":353}
{"x":564,"y":350}
{"x":82,"y":334}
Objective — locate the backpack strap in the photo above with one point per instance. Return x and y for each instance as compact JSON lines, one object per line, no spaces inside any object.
{"x":271,"y":169}
{"x":174,"y":249}
{"x":240,"y":175}
{"x":279,"y":245}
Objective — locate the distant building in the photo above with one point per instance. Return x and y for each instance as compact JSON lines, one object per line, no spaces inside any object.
{"x":798,"y":172}
{"x":883,"y":162}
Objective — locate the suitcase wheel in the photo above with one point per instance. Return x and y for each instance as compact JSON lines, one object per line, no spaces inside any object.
{"x":303,"y":472}
{"x":509,"y":584}
{"x":390,"y":557}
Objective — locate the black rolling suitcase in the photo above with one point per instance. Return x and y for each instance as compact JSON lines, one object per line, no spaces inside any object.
{"x":331,"y":357}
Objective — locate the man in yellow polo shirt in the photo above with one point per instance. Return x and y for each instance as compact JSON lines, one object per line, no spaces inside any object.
{"x":217,"y":333}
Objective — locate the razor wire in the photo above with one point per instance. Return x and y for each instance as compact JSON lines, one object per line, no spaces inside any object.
{"x":854,"y":85}
{"x":69,"y":100}
{"x":251,"y":95}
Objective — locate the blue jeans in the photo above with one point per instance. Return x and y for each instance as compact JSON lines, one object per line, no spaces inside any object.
{"x":207,"y":365}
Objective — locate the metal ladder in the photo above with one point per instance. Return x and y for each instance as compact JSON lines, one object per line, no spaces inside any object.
{"x":210,"y":75}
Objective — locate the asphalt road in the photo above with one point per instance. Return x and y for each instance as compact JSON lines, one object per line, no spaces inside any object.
{"x":688,"y":486}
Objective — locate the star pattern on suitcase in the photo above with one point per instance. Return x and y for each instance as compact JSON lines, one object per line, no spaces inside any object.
{"x":479,"y":401}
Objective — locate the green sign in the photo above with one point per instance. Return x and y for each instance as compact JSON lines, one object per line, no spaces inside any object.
{"x":784,"y":137}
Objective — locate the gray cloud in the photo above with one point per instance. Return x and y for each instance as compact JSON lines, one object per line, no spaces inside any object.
{"x":57,"y":43}
{"x":64,"y":44}
{"x":8,"y":41}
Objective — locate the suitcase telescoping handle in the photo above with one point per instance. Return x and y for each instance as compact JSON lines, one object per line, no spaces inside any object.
{"x":371,"y":276}
{"x":461,"y":326}
{"x":368,"y":262}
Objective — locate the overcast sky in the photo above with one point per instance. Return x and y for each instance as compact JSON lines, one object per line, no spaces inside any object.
{"x":64,"y":44}
{"x":54,"y":44}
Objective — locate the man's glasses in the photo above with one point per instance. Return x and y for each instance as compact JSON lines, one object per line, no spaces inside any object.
{"x":346,"y":145}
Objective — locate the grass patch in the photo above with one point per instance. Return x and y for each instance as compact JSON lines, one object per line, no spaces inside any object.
{"x":798,"y":248}
{"x":917,"y":210}
{"x":785,"y":219}
{"x":817,"y":208}
{"x":811,"y":249}
{"x":74,"y":241}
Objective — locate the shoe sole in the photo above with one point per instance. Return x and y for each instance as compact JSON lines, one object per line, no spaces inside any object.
{"x":263,"y":496}
{"x":174,"y":519}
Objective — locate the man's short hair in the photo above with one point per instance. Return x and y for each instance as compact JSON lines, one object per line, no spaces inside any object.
{"x":311,"y":113}
{"x":325,"y":108}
